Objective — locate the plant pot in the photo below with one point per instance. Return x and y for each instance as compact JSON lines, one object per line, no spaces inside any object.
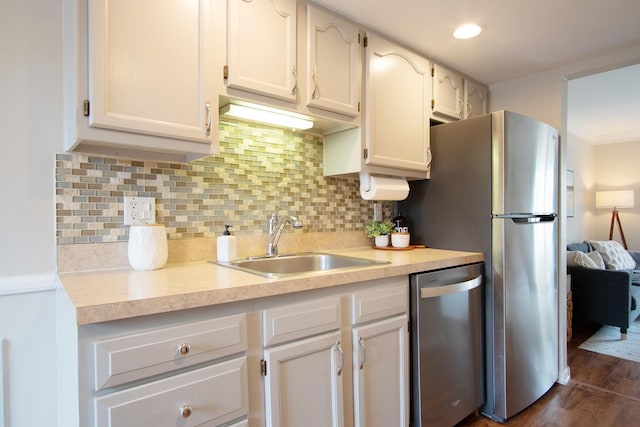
{"x":400,"y":240}
{"x":382,"y":240}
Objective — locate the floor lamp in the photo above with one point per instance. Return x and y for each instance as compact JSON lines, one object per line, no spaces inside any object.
{"x":615,"y":200}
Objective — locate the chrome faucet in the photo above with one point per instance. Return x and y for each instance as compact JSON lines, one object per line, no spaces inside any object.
{"x":275,"y":229}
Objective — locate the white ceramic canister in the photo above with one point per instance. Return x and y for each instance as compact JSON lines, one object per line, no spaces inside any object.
{"x":400,"y":240}
{"x":147,"y":246}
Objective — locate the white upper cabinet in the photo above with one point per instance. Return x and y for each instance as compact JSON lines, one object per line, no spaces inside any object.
{"x":448,"y":92}
{"x":140,"y":77}
{"x":333,"y":63}
{"x":261,"y":47}
{"x":476,"y":99}
{"x":397,"y":87}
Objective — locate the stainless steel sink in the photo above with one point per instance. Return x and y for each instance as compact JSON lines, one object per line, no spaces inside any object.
{"x":287,"y":265}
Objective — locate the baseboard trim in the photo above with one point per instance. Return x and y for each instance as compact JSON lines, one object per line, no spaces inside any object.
{"x":564,"y":376}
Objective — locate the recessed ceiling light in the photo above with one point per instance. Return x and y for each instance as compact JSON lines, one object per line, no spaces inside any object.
{"x":467,"y":31}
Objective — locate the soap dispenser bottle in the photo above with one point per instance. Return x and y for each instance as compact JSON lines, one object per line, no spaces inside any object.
{"x":227,"y":245}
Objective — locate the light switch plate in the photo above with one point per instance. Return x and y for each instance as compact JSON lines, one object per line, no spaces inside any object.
{"x":139,"y":210}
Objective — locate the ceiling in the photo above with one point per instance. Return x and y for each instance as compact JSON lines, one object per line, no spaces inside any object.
{"x":519,"y":38}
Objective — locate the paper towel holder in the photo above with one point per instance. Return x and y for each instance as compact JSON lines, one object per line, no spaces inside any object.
{"x":368,"y":192}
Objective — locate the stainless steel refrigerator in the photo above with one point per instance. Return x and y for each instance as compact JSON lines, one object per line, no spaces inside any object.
{"x":494,"y":189}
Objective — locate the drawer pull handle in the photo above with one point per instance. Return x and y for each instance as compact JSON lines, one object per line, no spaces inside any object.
{"x":184,"y":349}
{"x":186,"y":411}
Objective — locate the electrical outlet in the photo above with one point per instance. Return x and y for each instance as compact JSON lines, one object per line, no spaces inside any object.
{"x":139,"y":210}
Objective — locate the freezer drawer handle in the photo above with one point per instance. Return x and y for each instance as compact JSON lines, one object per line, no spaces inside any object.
{"x":437,"y":291}
{"x":535,"y":218}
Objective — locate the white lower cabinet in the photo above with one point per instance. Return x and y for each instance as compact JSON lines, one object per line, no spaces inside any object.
{"x":303,"y":385}
{"x":328,"y":357}
{"x":303,"y":363}
{"x":380,"y":373}
{"x":178,"y":369}
{"x":309,"y":381}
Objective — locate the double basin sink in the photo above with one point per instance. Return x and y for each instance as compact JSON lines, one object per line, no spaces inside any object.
{"x":287,"y":265}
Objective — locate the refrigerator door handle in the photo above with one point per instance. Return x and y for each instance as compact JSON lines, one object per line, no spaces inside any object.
{"x":528,"y":218}
{"x":438,"y":291}
{"x":535,"y":218}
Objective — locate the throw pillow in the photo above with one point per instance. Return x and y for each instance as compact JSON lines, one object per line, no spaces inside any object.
{"x":614,"y":255}
{"x":592,"y":259}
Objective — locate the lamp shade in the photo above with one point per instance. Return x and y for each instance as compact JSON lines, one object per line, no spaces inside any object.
{"x":615,"y":199}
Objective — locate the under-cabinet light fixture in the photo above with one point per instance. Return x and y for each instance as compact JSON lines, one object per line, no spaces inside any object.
{"x":270,"y":116}
{"x":467,"y":31}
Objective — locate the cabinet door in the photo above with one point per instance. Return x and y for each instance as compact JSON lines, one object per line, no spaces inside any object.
{"x":398,"y":93}
{"x":150,"y":66}
{"x":476,"y":99}
{"x":381,"y":373}
{"x":303,"y":383}
{"x":447,"y":92}
{"x":333,"y":63}
{"x":261,"y":47}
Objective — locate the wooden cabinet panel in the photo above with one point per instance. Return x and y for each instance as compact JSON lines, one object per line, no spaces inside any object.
{"x":300,"y":320}
{"x":333,"y":63}
{"x":140,"y":78}
{"x":134,"y":357}
{"x":380,"y":302}
{"x":303,"y":385}
{"x":398,"y":92}
{"x":476,"y":99}
{"x":261,"y":47}
{"x":447,"y":92}
{"x":381,"y":373}
{"x":208,"y":396}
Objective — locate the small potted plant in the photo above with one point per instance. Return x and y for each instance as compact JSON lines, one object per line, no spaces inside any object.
{"x":380,"y":231}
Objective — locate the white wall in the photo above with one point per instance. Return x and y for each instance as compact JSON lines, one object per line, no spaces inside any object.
{"x":545,"y":96}
{"x":30,"y":133}
{"x":581,"y":159}
{"x":618,"y":169}
{"x":541,"y":95}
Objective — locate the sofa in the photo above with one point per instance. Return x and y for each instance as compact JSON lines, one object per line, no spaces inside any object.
{"x":605,"y":283}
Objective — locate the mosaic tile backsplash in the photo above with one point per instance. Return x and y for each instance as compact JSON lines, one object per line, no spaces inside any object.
{"x":257,"y":169}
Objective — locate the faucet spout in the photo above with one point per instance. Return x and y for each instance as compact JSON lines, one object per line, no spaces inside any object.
{"x":276,"y":225}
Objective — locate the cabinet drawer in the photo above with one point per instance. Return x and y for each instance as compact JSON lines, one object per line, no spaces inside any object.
{"x":209,"y":396}
{"x":301,"y":320}
{"x":378,"y":303}
{"x":134,"y":357}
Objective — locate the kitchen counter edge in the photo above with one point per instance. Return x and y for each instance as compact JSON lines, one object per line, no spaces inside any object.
{"x":100,"y":296}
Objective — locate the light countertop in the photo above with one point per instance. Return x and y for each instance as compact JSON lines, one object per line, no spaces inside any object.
{"x":105,"y":295}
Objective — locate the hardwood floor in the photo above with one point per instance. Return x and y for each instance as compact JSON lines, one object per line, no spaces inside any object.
{"x":603,"y":391}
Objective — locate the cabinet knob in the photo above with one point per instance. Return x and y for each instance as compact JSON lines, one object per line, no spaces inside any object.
{"x":184,"y":349}
{"x":186,"y":411}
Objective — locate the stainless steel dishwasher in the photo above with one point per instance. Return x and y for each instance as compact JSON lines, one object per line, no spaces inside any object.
{"x":446,"y":345}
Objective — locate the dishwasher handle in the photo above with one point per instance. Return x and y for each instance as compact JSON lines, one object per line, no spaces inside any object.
{"x":437,"y":291}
